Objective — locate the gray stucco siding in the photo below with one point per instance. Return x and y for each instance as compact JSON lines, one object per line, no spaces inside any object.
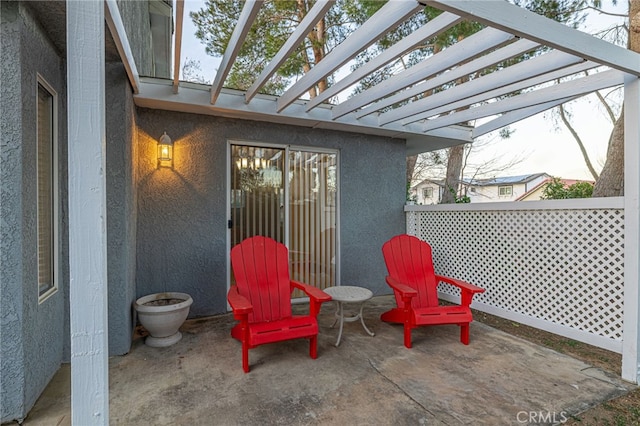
{"x":11,"y":348}
{"x":182,"y":219}
{"x":33,"y":333}
{"x":121,"y":207}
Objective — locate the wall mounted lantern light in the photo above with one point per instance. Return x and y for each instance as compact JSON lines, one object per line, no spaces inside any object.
{"x":165,"y":151}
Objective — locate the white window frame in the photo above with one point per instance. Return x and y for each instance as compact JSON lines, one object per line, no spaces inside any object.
{"x":41,"y":82}
{"x":508,"y":189}
{"x":428,"y":190}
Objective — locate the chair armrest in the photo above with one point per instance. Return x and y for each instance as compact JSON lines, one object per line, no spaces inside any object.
{"x":313,"y":292}
{"x":239,"y":304}
{"x":462,"y":285}
{"x":403,"y":289}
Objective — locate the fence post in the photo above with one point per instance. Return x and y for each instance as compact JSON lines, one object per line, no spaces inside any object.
{"x":631,"y":333}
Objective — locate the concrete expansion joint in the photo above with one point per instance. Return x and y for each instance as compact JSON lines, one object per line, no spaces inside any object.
{"x":372,"y":364}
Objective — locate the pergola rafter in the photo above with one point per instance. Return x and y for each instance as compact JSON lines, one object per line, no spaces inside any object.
{"x":466,"y":75}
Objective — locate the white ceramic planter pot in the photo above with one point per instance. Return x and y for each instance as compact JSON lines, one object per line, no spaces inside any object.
{"x":162,"y":314}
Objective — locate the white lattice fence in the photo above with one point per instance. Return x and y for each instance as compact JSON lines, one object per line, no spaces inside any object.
{"x":555,"y":265}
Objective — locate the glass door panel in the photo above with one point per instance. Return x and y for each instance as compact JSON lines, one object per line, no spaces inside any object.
{"x":257,"y":193}
{"x":312,"y":217}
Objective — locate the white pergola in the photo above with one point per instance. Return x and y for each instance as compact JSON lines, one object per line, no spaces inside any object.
{"x":428,"y":123}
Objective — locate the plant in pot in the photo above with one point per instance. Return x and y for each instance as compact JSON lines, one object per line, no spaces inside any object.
{"x":162,"y":314}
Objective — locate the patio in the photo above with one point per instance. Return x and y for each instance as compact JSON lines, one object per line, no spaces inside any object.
{"x":497,"y":379}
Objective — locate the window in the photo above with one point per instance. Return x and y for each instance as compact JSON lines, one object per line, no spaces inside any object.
{"x":427,"y":193}
{"x":472,"y":190}
{"x":505,"y":191}
{"x":46,"y":184}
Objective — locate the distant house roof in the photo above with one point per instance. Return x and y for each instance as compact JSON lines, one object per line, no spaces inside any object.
{"x":506,"y":180}
{"x":565,"y":182}
{"x":439,"y":182}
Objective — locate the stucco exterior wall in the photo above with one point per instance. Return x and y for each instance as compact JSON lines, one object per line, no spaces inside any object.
{"x":182,"y":219}
{"x":32,"y":332}
{"x":135,"y":18}
{"x":121,"y":207}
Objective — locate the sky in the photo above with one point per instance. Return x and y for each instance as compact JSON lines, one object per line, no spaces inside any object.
{"x":537,"y":143}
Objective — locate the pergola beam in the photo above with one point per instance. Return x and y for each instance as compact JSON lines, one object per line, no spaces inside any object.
{"x":581,"y":86}
{"x":388,"y":17}
{"x":178,"y":44}
{"x":490,"y":59}
{"x":523,"y":23}
{"x":247,"y":16}
{"x":119,"y":35}
{"x":517,"y":77}
{"x":515,"y":116}
{"x":434,"y":27}
{"x":472,"y":46}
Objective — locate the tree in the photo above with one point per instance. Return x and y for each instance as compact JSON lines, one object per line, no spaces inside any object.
{"x":191,"y":71}
{"x":557,"y":190}
{"x":275,"y":22}
{"x":611,"y":181}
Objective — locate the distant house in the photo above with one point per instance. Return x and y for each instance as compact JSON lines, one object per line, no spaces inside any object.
{"x":428,"y":192}
{"x":508,"y":188}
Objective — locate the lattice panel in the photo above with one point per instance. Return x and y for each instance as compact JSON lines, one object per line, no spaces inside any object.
{"x":563,"y":266}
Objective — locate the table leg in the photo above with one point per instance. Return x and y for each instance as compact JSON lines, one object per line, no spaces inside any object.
{"x":362,"y":321}
{"x":341,"y":313}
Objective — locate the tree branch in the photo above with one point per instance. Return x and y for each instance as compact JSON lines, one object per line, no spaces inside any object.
{"x":575,"y":135}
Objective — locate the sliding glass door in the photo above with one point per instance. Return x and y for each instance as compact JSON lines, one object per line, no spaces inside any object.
{"x":312,"y":217}
{"x":290,"y":195}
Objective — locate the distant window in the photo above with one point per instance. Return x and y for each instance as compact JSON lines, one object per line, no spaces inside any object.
{"x":505,"y":191}
{"x":46,"y":183}
{"x":472,"y":189}
{"x":427,"y":193}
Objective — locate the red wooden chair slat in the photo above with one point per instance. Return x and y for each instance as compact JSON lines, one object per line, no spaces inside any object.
{"x":415,"y":286}
{"x":261,"y":298}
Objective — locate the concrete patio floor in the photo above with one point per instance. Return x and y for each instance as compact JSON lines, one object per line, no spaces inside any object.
{"x":497,"y":379}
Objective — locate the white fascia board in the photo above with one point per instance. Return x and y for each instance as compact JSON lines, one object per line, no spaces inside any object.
{"x":305,"y":27}
{"x":470,"y":47}
{"x":441,"y":23}
{"x":499,"y":55}
{"x":517,"y":77}
{"x":157,"y":94}
{"x":116,"y":28}
{"x":384,"y":20}
{"x":177,"y":44}
{"x":526,"y":24}
{"x":517,"y":115}
{"x":581,"y":86}
{"x":247,"y":16}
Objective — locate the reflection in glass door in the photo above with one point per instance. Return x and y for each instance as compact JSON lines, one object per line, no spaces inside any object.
{"x":296,"y":207}
{"x":257,"y":193}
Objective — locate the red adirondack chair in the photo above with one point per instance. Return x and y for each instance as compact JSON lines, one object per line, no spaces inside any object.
{"x":261,"y":298}
{"x":414,"y":283}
